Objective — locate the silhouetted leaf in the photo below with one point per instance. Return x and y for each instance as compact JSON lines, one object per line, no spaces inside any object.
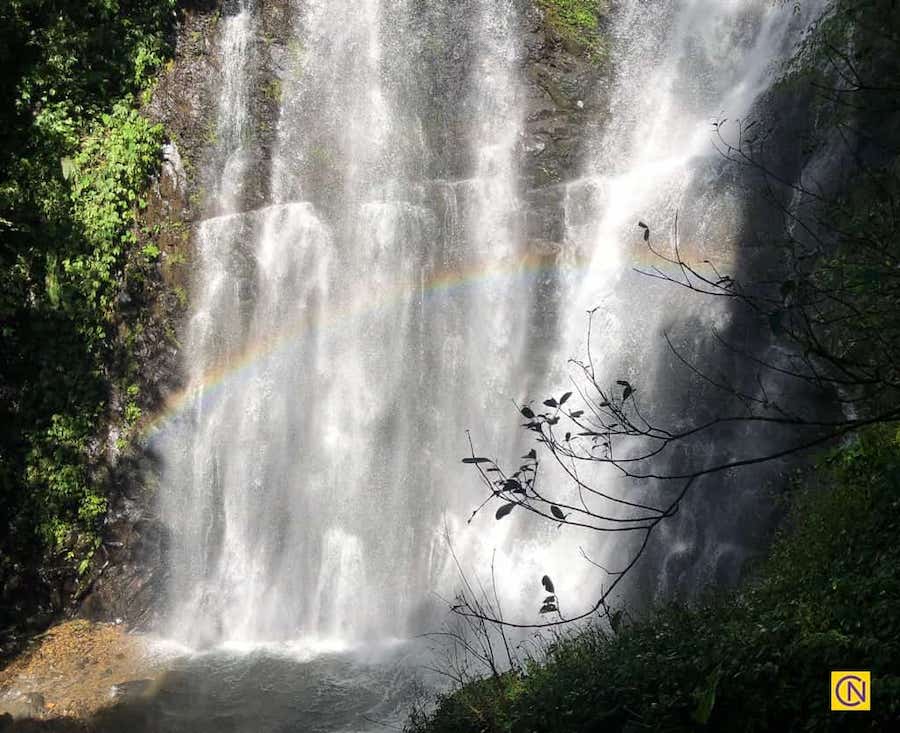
{"x":550,"y":403}
{"x":532,"y":454}
{"x":527,"y":412}
{"x":504,"y":510}
{"x":575,"y":415}
{"x":548,"y":608}
{"x":568,"y":437}
{"x":550,"y":599}
{"x":626,"y":393}
{"x":512,"y":485}
{"x":562,"y":400}
{"x":476,"y":460}
{"x":642,"y":225}
{"x":548,"y":584}
{"x":557,"y":512}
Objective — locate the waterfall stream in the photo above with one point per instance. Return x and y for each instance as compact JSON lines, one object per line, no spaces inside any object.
{"x":346,"y":332}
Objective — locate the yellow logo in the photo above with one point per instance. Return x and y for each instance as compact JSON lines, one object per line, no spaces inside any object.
{"x":851,"y":690}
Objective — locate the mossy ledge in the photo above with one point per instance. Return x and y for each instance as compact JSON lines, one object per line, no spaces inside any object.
{"x":577,"y":23}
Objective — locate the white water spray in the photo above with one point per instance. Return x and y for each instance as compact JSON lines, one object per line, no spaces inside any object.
{"x":308,"y":489}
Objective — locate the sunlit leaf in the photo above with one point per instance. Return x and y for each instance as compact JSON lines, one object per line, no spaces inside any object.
{"x":68,"y":168}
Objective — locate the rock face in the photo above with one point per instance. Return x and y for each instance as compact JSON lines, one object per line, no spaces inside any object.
{"x":566,"y":103}
{"x":127,"y":574}
{"x":564,"y":87}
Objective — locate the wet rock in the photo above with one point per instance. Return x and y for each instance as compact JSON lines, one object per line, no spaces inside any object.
{"x":565,"y":100}
{"x":132,"y":689}
{"x":125,"y":578}
{"x":20,"y":705}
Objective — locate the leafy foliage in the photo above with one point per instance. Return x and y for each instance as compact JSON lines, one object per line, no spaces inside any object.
{"x":75,"y":154}
{"x":109,"y":170}
{"x":827,"y":598}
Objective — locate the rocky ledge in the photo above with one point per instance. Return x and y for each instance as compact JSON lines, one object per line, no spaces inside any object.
{"x":73,"y":671}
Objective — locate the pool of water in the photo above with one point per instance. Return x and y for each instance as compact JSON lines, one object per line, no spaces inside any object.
{"x":276,"y":689}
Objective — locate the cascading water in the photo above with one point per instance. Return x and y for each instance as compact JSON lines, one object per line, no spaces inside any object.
{"x":681,"y":68}
{"x":306,"y":487}
{"x":346,"y":333}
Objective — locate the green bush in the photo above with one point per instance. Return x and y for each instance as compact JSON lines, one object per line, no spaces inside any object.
{"x":109,"y":172}
{"x":57,"y":472}
{"x":758,"y":659}
{"x":75,"y":157}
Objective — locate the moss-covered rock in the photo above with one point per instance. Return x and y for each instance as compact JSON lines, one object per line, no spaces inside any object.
{"x":577,"y":23}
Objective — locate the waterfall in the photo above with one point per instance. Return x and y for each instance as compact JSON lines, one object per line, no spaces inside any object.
{"x":681,"y":67}
{"x":345,"y":333}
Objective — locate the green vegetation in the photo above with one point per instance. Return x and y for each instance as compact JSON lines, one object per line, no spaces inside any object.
{"x":577,"y":23}
{"x":828,"y":597}
{"x":75,"y":156}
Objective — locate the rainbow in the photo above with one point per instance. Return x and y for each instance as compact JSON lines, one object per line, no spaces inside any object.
{"x":440,"y":284}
